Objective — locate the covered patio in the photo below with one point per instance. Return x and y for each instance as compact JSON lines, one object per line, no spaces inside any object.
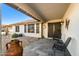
{"x":47,"y":14}
{"x":56,"y":19}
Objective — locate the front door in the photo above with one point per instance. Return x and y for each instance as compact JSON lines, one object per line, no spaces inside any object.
{"x":58,"y":30}
{"x":50,"y":29}
{"x":54,"y":28}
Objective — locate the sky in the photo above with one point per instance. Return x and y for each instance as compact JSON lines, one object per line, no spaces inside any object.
{"x":10,"y":15}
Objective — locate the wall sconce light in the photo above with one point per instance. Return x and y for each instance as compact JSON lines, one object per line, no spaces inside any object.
{"x":62,"y":22}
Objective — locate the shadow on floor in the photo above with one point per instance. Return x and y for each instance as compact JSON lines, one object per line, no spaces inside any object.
{"x":42,"y":47}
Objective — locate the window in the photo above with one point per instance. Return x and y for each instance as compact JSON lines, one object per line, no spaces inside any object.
{"x":30,"y":28}
{"x":17,"y":28}
{"x":37,"y":28}
{"x":25,"y":28}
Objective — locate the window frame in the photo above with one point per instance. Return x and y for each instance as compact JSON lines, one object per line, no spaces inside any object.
{"x":37,"y":27}
{"x":29,"y":28}
{"x":17,"y":29}
{"x":25,"y":30}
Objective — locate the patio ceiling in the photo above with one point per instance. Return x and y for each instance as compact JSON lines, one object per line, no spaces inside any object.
{"x":42,"y":11}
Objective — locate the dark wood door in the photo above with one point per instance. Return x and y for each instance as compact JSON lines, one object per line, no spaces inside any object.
{"x":50,"y":29}
{"x":58,"y":30}
{"x":54,"y":28}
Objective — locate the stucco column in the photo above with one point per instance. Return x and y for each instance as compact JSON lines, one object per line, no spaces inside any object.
{"x":26,"y":28}
{"x":35,"y":27}
{"x":42,"y":30}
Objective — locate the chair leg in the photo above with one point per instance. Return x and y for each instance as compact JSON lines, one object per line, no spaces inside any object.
{"x":54,"y":51}
{"x":64,"y":52}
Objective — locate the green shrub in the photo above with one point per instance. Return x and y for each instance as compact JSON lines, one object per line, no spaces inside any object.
{"x":14,"y":35}
{"x":20,"y":35}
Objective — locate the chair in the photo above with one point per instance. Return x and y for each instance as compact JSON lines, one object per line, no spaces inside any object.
{"x":61,"y":46}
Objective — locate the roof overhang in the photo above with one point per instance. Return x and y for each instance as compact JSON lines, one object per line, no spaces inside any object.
{"x":42,"y":11}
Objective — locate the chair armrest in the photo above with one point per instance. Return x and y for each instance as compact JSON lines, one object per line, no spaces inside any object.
{"x":59,"y":44}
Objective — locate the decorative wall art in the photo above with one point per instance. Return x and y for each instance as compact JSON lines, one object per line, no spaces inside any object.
{"x":67,"y":23}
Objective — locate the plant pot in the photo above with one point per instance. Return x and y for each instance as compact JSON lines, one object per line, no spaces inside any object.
{"x":14,"y":48}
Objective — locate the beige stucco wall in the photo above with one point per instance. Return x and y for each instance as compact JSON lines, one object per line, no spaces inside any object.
{"x":73,"y":15}
{"x":28,"y":34}
{"x":45,"y":29}
{"x":10,"y":30}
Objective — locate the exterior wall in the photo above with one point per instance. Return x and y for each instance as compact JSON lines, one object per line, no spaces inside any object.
{"x":38,"y":35}
{"x":7,"y":29}
{"x":45,"y":29}
{"x":73,"y":30}
{"x":10,"y":30}
{"x":45,"y":26}
{"x":28,"y":34}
